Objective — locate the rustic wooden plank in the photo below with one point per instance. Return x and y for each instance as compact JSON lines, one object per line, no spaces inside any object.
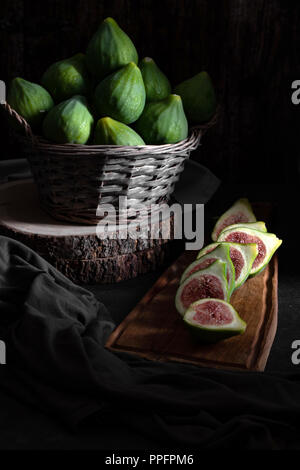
{"x":155,"y":330}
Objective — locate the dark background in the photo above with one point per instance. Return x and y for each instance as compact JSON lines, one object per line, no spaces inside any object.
{"x":249,"y":47}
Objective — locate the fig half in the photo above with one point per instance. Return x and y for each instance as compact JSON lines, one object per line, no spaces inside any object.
{"x":212,"y":320}
{"x":241,"y":255}
{"x":267,"y":244}
{"x":205,"y":283}
{"x":240,"y":212}
{"x":221,"y":252}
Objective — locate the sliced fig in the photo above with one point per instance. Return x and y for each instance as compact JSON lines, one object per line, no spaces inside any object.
{"x":261,"y":226}
{"x":221,"y":252}
{"x":205,"y":283}
{"x":207,"y":249}
{"x":267,"y":244}
{"x":212,"y":320}
{"x":242,"y":257}
{"x":240,"y":212}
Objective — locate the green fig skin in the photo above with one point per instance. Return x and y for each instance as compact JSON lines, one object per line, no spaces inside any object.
{"x":67,"y":78}
{"x":30,"y":100}
{"x":156,"y":83}
{"x":111,"y":132}
{"x":121,"y":95}
{"x":109,"y":49}
{"x":69,"y":122}
{"x":163,"y":122}
{"x":213,"y":334}
{"x":198,"y":97}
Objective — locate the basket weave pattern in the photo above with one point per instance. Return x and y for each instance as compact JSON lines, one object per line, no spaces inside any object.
{"x":75,"y":180}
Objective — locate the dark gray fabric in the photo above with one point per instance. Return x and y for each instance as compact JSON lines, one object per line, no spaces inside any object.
{"x":56,"y":361}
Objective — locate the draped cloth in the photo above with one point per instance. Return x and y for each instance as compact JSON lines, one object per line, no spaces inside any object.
{"x":55,"y":332}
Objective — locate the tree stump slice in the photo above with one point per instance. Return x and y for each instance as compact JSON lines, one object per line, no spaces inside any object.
{"x":76,"y":250}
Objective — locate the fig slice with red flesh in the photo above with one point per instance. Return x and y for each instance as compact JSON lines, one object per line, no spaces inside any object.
{"x":261,"y":226}
{"x":221,"y":252}
{"x":207,"y":249}
{"x":267,"y":244}
{"x":240,"y":212}
{"x":208,"y":282}
{"x":242,"y":257}
{"x":211,"y":320}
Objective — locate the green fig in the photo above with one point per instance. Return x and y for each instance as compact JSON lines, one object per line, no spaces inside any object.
{"x":121,"y":95}
{"x":109,"y":49}
{"x":198,"y":97}
{"x":30,"y":100}
{"x":69,"y":122}
{"x":163,"y":122}
{"x":156,"y":83}
{"x":111,"y":132}
{"x":67,"y":78}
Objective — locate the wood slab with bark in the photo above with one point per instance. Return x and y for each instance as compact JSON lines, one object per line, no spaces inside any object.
{"x":77,"y":250}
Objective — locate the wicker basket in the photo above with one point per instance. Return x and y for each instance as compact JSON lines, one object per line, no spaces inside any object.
{"x":74,"y":180}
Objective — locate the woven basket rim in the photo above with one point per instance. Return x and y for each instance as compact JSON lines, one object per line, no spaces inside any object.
{"x":41,"y":140}
{"x":195,"y":133}
{"x":190,"y":143}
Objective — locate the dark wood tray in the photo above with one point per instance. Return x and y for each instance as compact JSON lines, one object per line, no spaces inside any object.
{"x":155,"y":330}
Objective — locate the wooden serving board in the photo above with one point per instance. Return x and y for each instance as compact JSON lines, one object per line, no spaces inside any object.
{"x":155,"y":330}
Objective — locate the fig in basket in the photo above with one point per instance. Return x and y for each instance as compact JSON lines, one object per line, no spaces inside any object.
{"x":69,"y":122}
{"x":156,"y":83}
{"x":198,"y":97}
{"x":121,"y":95}
{"x":163,"y":122}
{"x":111,"y":132}
{"x":30,"y":100}
{"x":109,"y":49}
{"x":67,"y":78}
